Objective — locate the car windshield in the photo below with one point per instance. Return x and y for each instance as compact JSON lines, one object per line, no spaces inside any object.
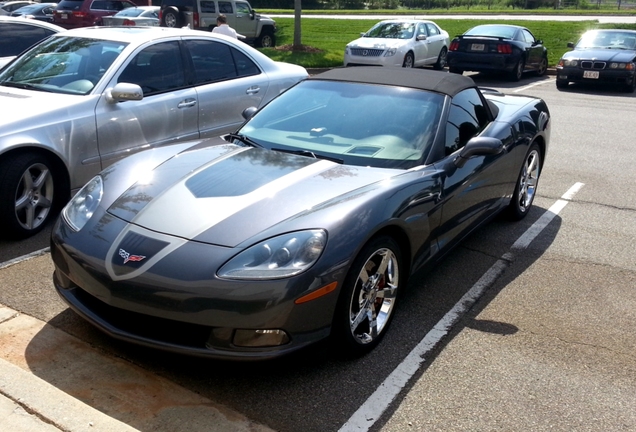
{"x":392,"y":30}
{"x":358,"y":124}
{"x":505,"y":32}
{"x":62,"y":65}
{"x":608,"y":39}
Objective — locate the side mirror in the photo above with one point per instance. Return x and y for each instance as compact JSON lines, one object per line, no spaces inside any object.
{"x":252,"y":14}
{"x":538,"y":42}
{"x":570,"y":44}
{"x":478,"y":146}
{"x":124,"y":92}
{"x":249,"y":112}
{"x":420,"y":37}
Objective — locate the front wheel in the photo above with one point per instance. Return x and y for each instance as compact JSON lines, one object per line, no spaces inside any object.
{"x":630,"y":87}
{"x":266,"y":39}
{"x":543,"y":66}
{"x":29,"y":194}
{"x":562,"y":84}
{"x":366,"y":304}
{"x":526,"y":186}
{"x":409,"y":60}
{"x":441,"y":59}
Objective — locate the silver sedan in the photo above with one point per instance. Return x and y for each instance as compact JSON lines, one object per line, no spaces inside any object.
{"x":85,"y":98}
{"x":134,"y":16}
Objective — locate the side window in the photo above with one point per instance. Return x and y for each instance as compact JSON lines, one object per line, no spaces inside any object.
{"x":421,"y":30}
{"x":243,"y":8}
{"x":432,"y":30}
{"x":225,"y":7}
{"x":156,"y":69}
{"x":466,"y":119}
{"x":215,"y":61}
{"x":208,"y":7}
{"x":528,"y":36}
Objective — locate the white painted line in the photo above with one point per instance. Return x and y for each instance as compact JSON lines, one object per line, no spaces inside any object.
{"x":26,"y":257}
{"x":384,"y":395}
{"x":533,"y":85}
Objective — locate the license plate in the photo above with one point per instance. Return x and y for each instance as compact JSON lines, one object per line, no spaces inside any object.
{"x":64,"y":16}
{"x":590,"y":74}
{"x":477,"y":47}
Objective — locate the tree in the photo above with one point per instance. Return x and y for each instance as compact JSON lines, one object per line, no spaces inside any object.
{"x":297,"y":40}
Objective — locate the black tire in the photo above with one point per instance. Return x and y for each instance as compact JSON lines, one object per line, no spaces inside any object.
{"x":543,"y":66}
{"x":381,"y":287}
{"x":526,"y":186}
{"x":517,"y":71}
{"x":171,"y":17}
{"x":266,"y":39}
{"x":31,"y":194}
{"x":409,"y":60}
{"x":562,"y":84}
{"x":629,"y":88}
{"x":455,"y":70}
{"x":441,"y":59}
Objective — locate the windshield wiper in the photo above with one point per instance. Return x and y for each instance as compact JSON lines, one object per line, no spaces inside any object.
{"x":245,"y":139}
{"x":309,"y":154}
{"x":21,"y":85}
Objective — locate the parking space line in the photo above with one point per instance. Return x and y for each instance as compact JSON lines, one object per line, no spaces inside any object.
{"x":385,"y":394}
{"x":26,"y":257}
{"x":533,"y":85}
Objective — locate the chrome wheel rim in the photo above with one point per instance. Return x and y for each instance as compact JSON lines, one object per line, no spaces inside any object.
{"x":528,"y":181}
{"x":374,"y":296}
{"x":442,"y":59}
{"x":171,"y":20}
{"x":34,"y":196}
{"x":408,"y":61}
{"x":544,"y":66}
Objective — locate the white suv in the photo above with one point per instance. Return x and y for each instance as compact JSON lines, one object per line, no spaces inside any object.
{"x":201,"y":15}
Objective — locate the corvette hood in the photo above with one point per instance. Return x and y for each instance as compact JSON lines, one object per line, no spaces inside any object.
{"x":377,"y":43}
{"x":601,"y":54}
{"x":226,"y":194}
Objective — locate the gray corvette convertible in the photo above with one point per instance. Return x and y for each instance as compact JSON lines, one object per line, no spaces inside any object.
{"x":304,"y":224}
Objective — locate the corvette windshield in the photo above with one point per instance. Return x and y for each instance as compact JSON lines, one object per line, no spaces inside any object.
{"x":359,"y":124}
{"x":62,"y":65}
{"x":394,"y":30}
{"x":608,"y":39}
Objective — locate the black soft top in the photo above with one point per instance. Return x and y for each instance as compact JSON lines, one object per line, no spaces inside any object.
{"x":423,"y":79}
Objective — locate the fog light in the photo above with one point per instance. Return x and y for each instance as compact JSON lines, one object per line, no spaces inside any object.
{"x":260,"y":338}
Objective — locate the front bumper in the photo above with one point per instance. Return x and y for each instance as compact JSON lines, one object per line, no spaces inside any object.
{"x":605,"y":76}
{"x":178,"y":304}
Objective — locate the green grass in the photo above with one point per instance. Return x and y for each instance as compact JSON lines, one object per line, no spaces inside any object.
{"x":331,"y":35}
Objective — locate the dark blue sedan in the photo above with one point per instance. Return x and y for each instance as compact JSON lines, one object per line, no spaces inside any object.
{"x":600,"y":57}
{"x":498,"y":48}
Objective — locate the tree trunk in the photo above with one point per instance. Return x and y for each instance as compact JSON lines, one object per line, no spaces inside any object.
{"x":297,"y":10}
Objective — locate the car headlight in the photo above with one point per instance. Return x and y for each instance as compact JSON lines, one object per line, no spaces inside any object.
{"x":619,"y":66}
{"x":279,"y":257}
{"x":81,"y":208}
{"x":347,"y":50}
{"x":571,"y":63}
{"x":390,"y":52}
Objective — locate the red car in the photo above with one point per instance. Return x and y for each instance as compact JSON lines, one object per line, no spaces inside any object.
{"x":85,"y":13}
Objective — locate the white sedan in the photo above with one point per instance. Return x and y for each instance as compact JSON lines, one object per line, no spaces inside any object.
{"x":400,"y":43}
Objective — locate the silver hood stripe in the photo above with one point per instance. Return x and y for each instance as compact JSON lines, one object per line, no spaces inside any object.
{"x":161,"y":215}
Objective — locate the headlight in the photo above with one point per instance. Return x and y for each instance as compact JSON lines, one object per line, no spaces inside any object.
{"x":618,"y":65}
{"x":571,"y":63}
{"x":279,"y":257}
{"x":390,"y":52}
{"x":83,"y":205}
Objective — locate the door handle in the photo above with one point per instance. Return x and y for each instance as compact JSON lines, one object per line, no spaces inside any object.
{"x":187,"y":103}
{"x":253,"y":90}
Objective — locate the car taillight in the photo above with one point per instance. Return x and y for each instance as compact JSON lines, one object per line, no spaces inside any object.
{"x":160,"y":15}
{"x":504,"y":49}
{"x":128,"y":22}
{"x":80,"y":14}
{"x":454,"y":46}
{"x":195,"y":20}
